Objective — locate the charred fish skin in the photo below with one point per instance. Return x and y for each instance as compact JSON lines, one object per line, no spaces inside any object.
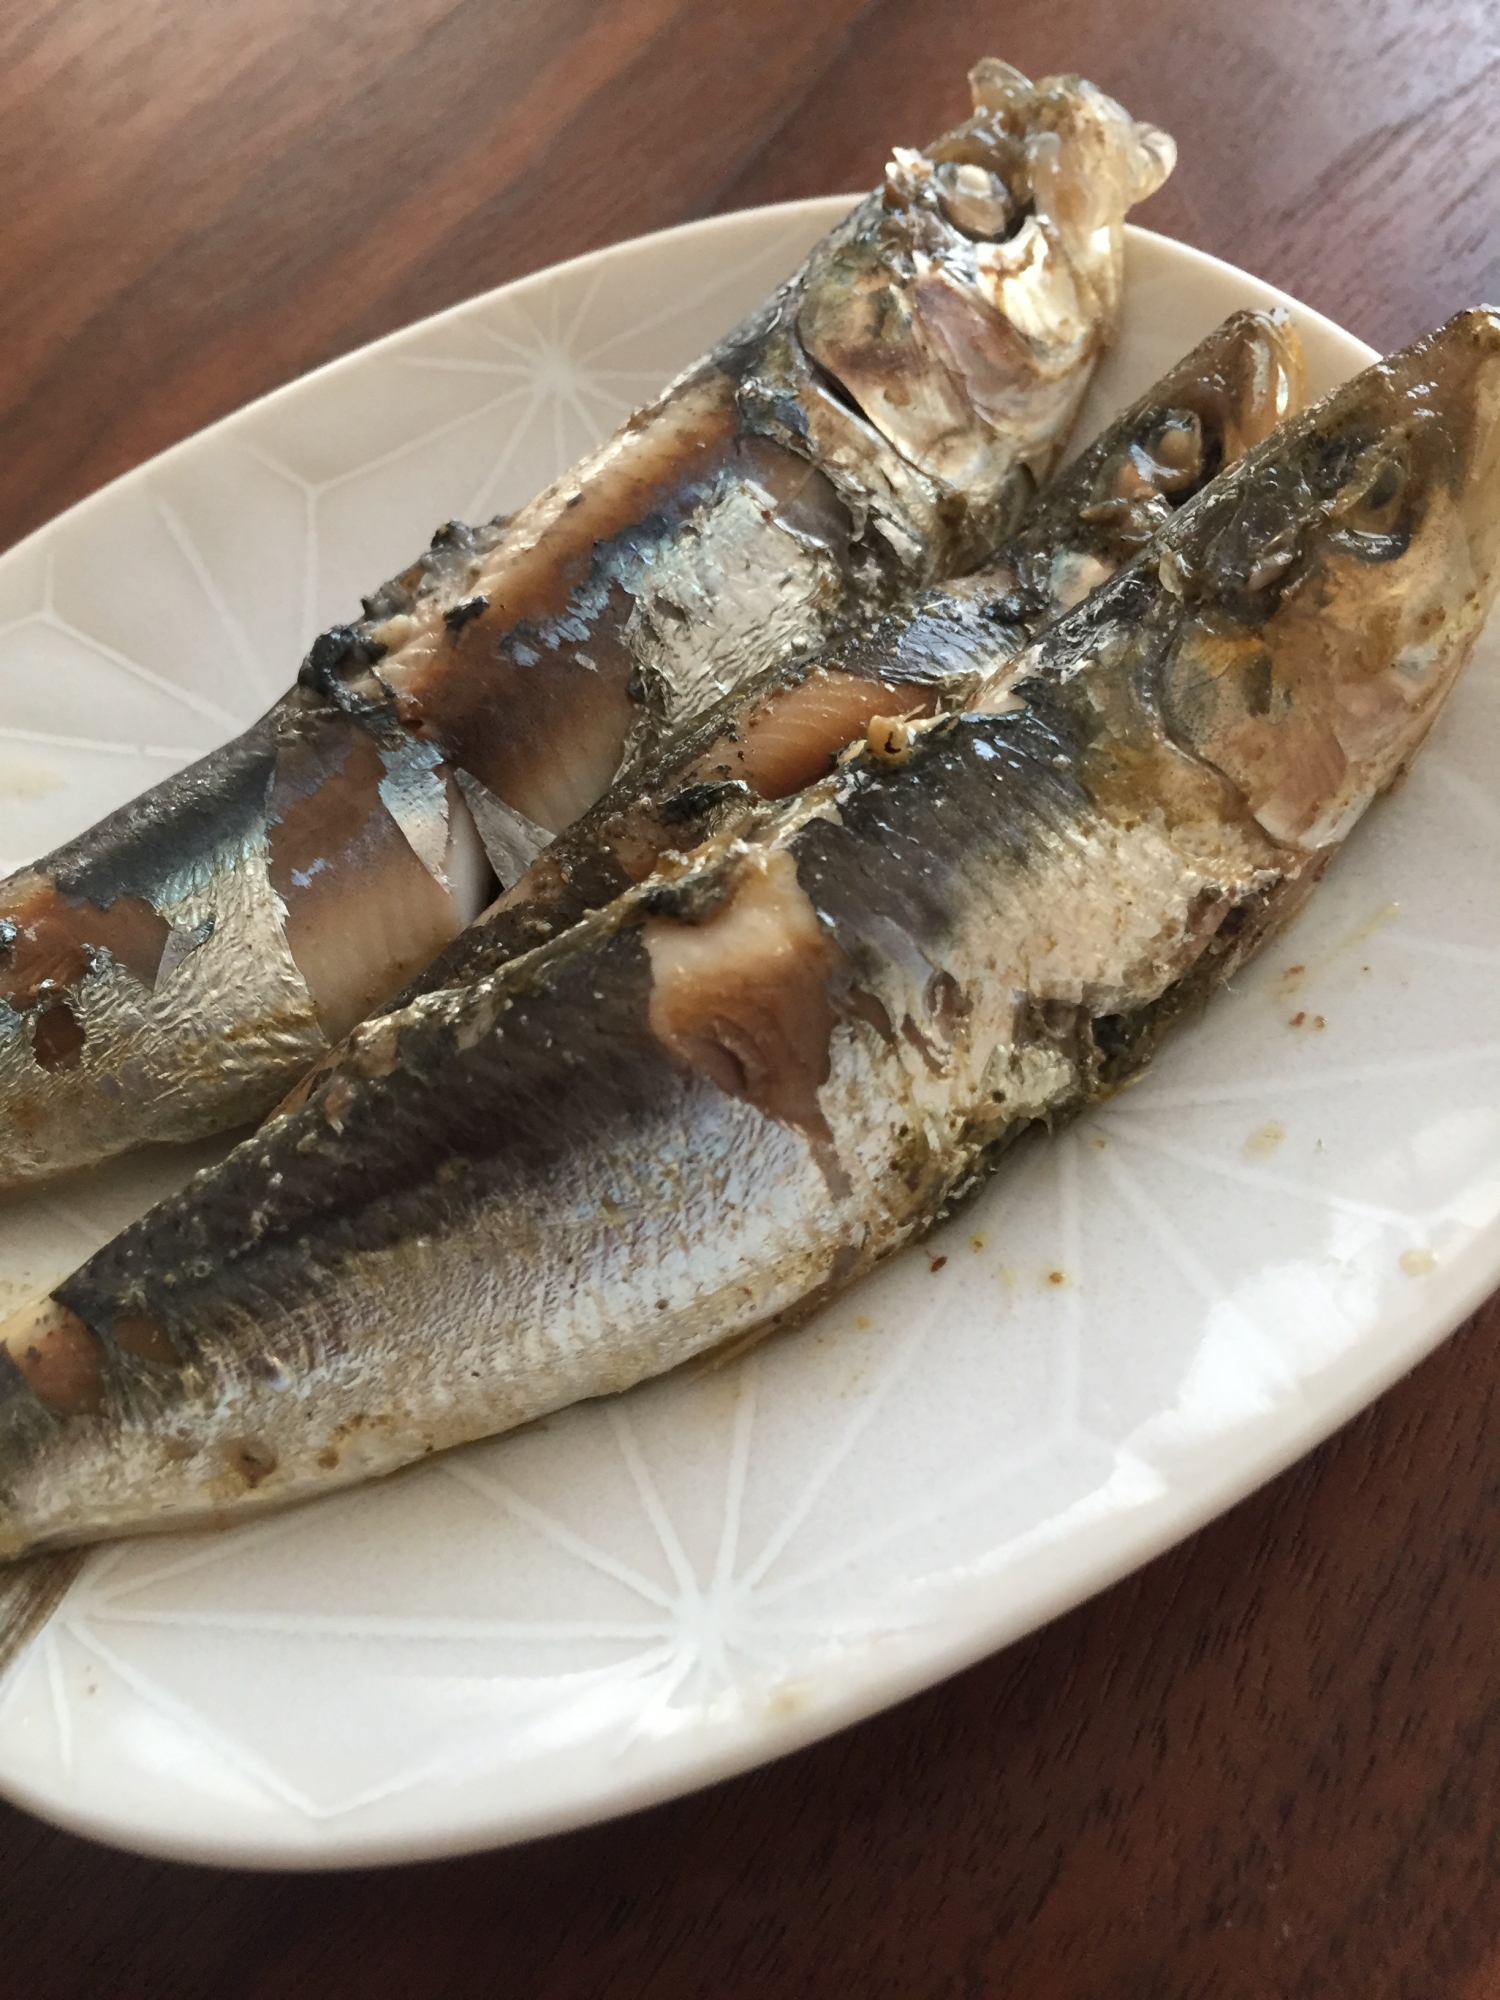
{"x":785,"y":729}
{"x":781,"y":486}
{"x":745,"y":1082}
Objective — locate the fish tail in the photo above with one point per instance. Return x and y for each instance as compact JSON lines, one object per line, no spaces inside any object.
{"x":30,"y":1592}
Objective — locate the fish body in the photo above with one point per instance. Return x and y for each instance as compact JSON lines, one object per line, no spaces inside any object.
{"x":711,"y":1105}
{"x":783,"y":729}
{"x":876,"y":425}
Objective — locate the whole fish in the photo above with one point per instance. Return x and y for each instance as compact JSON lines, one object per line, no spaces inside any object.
{"x":784,"y":729}
{"x":708,"y":1107}
{"x":877,"y":424}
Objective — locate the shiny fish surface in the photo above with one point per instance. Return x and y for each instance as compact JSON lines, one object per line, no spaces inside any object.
{"x":707,"y":1108}
{"x":876,"y":425}
{"x":784,"y":730}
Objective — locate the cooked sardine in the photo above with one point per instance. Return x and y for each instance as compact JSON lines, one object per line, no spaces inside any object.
{"x":709,"y":1106}
{"x":784,"y":729}
{"x":875,"y":426}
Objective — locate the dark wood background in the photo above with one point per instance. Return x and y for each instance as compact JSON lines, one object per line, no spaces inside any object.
{"x":1267,"y":1766}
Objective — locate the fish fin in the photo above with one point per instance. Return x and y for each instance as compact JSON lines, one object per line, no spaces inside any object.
{"x":29,"y":1593}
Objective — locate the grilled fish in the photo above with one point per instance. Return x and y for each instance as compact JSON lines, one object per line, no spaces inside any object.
{"x":709,"y":1106}
{"x":785,"y":728}
{"x":877,"y":424}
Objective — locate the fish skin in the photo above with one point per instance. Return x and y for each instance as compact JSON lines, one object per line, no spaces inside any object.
{"x":29,"y":1594}
{"x":563,"y":1178}
{"x":175,"y":969}
{"x":1092,"y":517}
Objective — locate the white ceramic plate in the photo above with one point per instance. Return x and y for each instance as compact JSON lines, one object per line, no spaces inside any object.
{"x":1140,"y":1321}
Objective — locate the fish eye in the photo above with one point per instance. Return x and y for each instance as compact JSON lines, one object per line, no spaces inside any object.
{"x":1370,"y":514}
{"x":1386,"y":484}
{"x":1179,"y":440}
{"x":1174,"y":456}
{"x":1369,"y":496}
{"x":974,"y":199}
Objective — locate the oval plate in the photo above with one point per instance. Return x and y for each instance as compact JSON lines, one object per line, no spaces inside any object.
{"x":1141,"y":1320}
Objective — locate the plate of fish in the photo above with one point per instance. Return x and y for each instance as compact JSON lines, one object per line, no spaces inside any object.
{"x":595,"y":1182}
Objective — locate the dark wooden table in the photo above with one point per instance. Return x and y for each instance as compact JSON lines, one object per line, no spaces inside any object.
{"x":1269,"y":1765}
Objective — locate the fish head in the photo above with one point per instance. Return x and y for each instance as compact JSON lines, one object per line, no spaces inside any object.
{"x":1228,"y":393}
{"x":1334,"y":582}
{"x":964,"y":316}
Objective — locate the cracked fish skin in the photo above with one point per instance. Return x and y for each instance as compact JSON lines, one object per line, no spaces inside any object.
{"x":707,"y":1108}
{"x":875,"y":425}
{"x":784,"y":730}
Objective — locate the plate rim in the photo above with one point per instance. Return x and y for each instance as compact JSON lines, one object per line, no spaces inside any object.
{"x":386,"y":343}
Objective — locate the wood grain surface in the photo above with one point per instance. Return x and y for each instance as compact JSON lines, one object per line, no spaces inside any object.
{"x":1269,"y":1765}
